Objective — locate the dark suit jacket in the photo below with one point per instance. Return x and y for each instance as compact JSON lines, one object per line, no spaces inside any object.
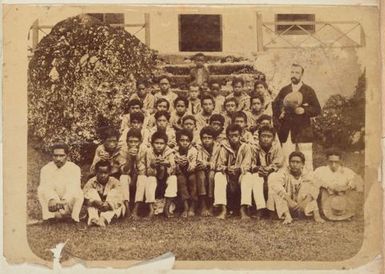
{"x":299,"y":125}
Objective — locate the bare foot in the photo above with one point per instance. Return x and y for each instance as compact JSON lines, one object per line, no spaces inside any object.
{"x":101,"y":222}
{"x":287,"y":220}
{"x":223,"y":213}
{"x":191,"y":213}
{"x":206,"y":213}
{"x":318,"y":219}
{"x":135,"y":216}
{"x":184,"y":214}
{"x":244,"y":215}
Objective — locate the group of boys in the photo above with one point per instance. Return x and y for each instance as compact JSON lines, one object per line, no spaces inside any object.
{"x":202,"y":152}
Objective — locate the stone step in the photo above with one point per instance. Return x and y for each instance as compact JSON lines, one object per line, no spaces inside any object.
{"x":178,"y":80}
{"x":214,"y":68}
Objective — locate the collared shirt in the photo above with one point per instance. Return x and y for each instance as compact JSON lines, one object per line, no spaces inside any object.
{"x":57,"y":182}
{"x":273,"y":158}
{"x":170,"y":96}
{"x":105,"y":190}
{"x":343,"y":178}
{"x":191,"y":157}
{"x":202,"y":120}
{"x":194,"y":107}
{"x":176,"y":120}
{"x":116,"y":158}
{"x":296,"y":87}
{"x":243,"y":101}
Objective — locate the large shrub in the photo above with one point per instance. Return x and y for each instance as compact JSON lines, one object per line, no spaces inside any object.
{"x":78,"y":79}
{"x":342,"y":121}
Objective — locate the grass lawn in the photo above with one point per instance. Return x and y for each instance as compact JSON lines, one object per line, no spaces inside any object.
{"x":196,"y":238}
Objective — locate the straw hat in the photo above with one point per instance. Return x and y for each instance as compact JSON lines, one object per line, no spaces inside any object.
{"x":293,"y":100}
{"x":338,"y":207}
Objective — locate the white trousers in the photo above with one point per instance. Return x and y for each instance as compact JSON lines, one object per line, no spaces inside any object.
{"x":252,"y":185}
{"x":75,"y":202}
{"x":305,"y":148}
{"x":146,"y":187}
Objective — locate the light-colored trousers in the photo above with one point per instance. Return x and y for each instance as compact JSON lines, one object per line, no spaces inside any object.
{"x":146,"y":187}
{"x":74,"y":199}
{"x":125,"y":181}
{"x":114,"y":198}
{"x":252,"y":185}
{"x":305,"y":148}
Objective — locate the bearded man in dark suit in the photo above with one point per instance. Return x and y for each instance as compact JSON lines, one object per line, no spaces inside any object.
{"x":293,"y":109}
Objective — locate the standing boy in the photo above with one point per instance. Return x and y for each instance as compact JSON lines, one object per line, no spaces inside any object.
{"x":195,"y":104}
{"x":199,"y":73}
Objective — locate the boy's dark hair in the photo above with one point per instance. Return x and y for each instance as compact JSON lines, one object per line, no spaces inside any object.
{"x":297,"y":154}
{"x":199,"y":54}
{"x":162,"y":100}
{"x":164,"y":77}
{"x":134,"y":132}
{"x":102,"y":163}
{"x":143,"y":82}
{"x":181,"y":99}
{"x":257,"y":96}
{"x":189,"y":117}
{"x":263,"y":117}
{"x":213,"y":82}
{"x":232,"y":128}
{"x":259,"y":82}
{"x":162,"y":113}
{"x":193,"y":84}
{"x":60,"y":145}
{"x":135,"y":102}
{"x":110,"y":132}
{"x":239,"y":114}
{"x":230,"y":99}
{"x":207,"y":97}
{"x":137,"y":116}
{"x":184,"y":132}
{"x":207,"y":130}
{"x":334,"y":152}
{"x":238,"y":80}
{"x":217,"y":117}
{"x":266,"y":128}
{"x":159,"y":135}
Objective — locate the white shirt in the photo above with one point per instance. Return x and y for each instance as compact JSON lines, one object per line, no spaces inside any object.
{"x":58,"y":183}
{"x":343,"y":178}
{"x":296,"y":87}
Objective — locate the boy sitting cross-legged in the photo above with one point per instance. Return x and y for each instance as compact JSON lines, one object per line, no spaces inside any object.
{"x":185,"y":160}
{"x":104,"y":196}
{"x":232,"y":167}
{"x":156,"y":175}
{"x":205,"y":175}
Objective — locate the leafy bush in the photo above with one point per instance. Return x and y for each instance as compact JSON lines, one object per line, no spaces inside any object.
{"x":342,"y":121}
{"x":79,"y":77}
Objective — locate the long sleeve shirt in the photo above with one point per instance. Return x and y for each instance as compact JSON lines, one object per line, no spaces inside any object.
{"x":59,"y":183}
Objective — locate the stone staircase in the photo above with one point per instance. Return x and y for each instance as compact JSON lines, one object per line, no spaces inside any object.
{"x":177,"y":67}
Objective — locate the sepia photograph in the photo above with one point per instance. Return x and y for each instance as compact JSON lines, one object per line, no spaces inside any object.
{"x":216,"y":133}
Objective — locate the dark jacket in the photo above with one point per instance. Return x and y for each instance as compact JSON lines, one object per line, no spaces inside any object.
{"x":299,"y":125}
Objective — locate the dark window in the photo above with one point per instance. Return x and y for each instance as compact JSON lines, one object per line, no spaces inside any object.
{"x":293,"y":24}
{"x":109,"y":18}
{"x":200,"y":32}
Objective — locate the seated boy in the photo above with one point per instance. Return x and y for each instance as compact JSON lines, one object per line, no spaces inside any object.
{"x":256,"y":110}
{"x":340,"y":185}
{"x":136,"y":122}
{"x":144,"y":95}
{"x":134,"y":105}
{"x":292,"y":191}
{"x":189,"y":123}
{"x":205,"y":176}
{"x":156,"y":175}
{"x":160,"y":105}
{"x":185,"y":160}
{"x":105,"y":197}
{"x":193,"y":97}
{"x":267,"y":158}
{"x":240,"y":118}
{"x":230,"y":107}
{"x":162,"y":123}
{"x":232,"y":168}
{"x":110,"y":151}
{"x":217,"y":123}
{"x":243,"y":100}
{"x":180,"y":105}
{"x":203,"y":118}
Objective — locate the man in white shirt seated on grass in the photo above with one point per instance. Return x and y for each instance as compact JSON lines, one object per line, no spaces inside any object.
{"x":59,"y":192}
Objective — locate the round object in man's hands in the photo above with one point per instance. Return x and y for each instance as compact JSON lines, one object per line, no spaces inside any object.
{"x":293,"y":100}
